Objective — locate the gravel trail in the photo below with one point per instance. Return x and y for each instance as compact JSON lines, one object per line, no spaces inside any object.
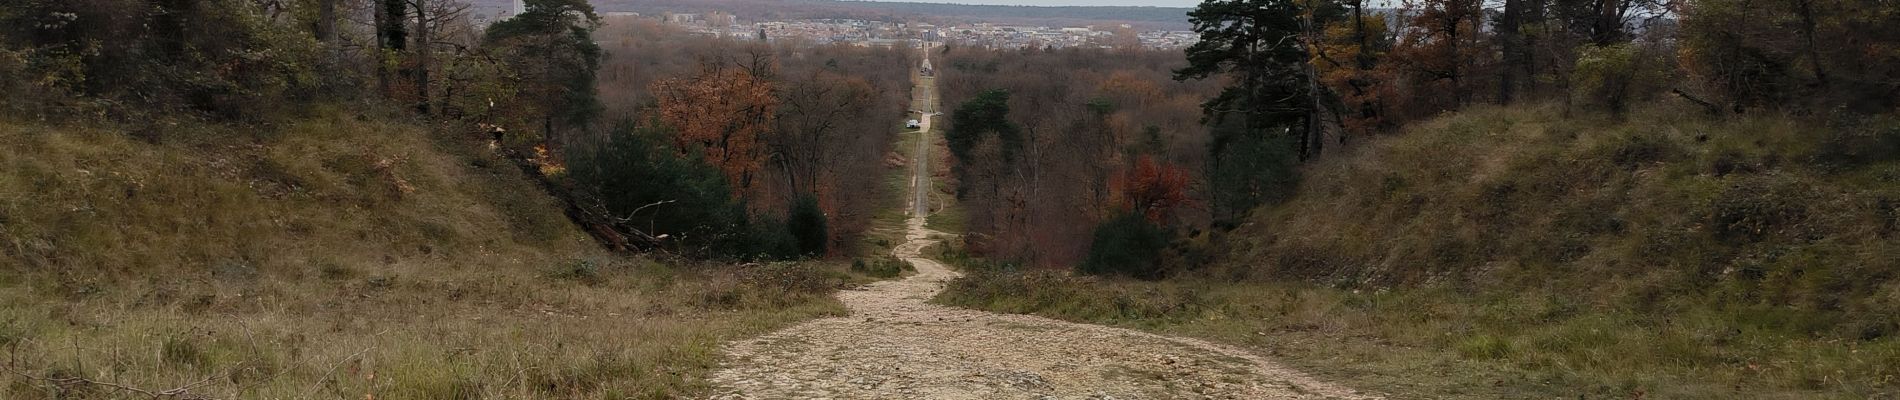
{"x":895,"y":345}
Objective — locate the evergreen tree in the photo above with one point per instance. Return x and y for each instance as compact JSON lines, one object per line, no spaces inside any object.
{"x":807,"y":225}
{"x":1257,"y":43}
{"x":551,"y":49}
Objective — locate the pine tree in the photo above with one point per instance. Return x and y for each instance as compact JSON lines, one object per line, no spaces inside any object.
{"x":1258,"y":44}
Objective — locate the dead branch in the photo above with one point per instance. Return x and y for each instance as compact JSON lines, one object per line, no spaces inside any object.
{"x":1707,"y":106}
{"x":332,"y":372}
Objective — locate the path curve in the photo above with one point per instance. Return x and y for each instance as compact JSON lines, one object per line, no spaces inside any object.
{"x":895,"y":345}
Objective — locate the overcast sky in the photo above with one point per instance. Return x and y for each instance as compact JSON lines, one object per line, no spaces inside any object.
{"x":1156,"y":3}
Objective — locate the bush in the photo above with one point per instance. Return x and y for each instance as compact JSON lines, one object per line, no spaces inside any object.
{"x":765,"y":239}
{"x":1126,"y":245}
{"x":1872,"y":141}
{"x":1248,"y":170}
{"x":224,"y":58}
{"x":635,"y":174}
{"x":1757,"y":208}
{"x":881,"y":268}
{"x":1614,"y":76}
{"x":806,"y":222}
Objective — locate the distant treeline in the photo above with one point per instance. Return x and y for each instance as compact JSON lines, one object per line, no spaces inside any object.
{"x":1145,"y":17}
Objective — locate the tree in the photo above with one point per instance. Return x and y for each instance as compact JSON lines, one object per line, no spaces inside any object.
{"x":391,"y":38}
{"x":806,"y":222}
{"x":727,"y":114}
{"x":987,"y":115}
{"x":430,"y":16}
{"x":323,"y":28}
{"x":226,"y":59}
{"x":813,"y":116}
{"x":1127,"y":245}
{"x":635,"y":176}
{"x":1795,"y":53}
{"x":1440,"y":52}
{"x":1154,"y":190}
{"x":1613,"y":76}
{"x":551,"y":51}
{"x":1258,"y":44}
{"x":1349,"y":59}
{"x":1511,"y":48}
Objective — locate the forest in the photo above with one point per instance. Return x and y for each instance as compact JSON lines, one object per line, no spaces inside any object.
{"x":394,"y":199}
{"x":1041,"y":157}
{"x":789,"y":125}
{"x":1283,"y":83}
{"x":1466,"y":199}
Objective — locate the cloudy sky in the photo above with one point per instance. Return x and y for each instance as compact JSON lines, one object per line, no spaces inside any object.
{"x":1157,"y":3}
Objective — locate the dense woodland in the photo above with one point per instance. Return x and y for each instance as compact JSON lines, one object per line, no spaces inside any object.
{"x":1468,"y":199}
{"x":785,"y":124}
{"x":776,"y":141}
{"x":1304,"y":79}
{"x":1042,"y":156}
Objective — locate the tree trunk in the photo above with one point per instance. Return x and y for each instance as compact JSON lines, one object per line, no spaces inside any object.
{"x":1310,"y":141}
{"x":325,"y":29}
{"x":1363,"y":56}
{"x":380,"y":20}
{"x":423,"y":57}
{"x":1807,"y":30}
{"x":1512,"y":46}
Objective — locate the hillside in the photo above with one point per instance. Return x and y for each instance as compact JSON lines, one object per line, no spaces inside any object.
{"x":338,"y":254}
{"x":1662,"y":255}
{"x":1777,"y":219}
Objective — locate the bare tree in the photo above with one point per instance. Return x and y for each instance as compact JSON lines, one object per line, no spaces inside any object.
{"x":430,"y":16}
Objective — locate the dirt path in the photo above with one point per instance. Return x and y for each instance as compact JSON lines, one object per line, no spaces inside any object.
{"x":895,"y":345}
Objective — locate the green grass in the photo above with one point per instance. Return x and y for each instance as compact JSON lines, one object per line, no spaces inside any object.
{"x":887,"y":226}
{"x":342,"y":256}
{"x":1521,"y":253}
{"x":949,"y":216}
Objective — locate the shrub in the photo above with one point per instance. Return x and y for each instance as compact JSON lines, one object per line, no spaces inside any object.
{"x":765,"y":238}
{"x":1126,"y":245}
{"x":1867,"y":142}
{"x":1247,"y":170}
{"x":1757,"y":208}
{"x":880,"y":268}
{"x":584,"y":271}
{"x":1613,"y":76}
{"x":225,"y":58}
{"x":806,"y":222}
{"x":635,"y":174}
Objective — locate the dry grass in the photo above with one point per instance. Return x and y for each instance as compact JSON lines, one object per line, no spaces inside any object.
{"x":1435,"y":343}
{"x":1519,"y":253}
{"x":339,"y":256}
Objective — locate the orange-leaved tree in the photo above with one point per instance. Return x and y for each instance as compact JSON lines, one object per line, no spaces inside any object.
{"x":726,"y":114}
{"x":1154,"y":189}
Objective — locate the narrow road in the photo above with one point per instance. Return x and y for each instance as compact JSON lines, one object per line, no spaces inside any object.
{"x":896,"y":345}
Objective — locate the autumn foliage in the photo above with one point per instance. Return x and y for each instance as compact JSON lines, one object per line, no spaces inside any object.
{"x":797,"y":131}
{"x":724,"y":113}
{"x":1153,"y":189}
{"x":1040,"y":160}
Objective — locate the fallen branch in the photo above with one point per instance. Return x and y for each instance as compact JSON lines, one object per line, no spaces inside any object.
{"x":332,"y":372}
{"x":1707,"y":106}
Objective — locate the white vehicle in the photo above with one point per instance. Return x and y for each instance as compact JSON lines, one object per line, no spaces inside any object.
{"x":912,"y":124}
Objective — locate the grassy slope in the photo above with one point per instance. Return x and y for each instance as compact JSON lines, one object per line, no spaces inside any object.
{"x":1517,"y":253}
{"x":339,"y":256}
